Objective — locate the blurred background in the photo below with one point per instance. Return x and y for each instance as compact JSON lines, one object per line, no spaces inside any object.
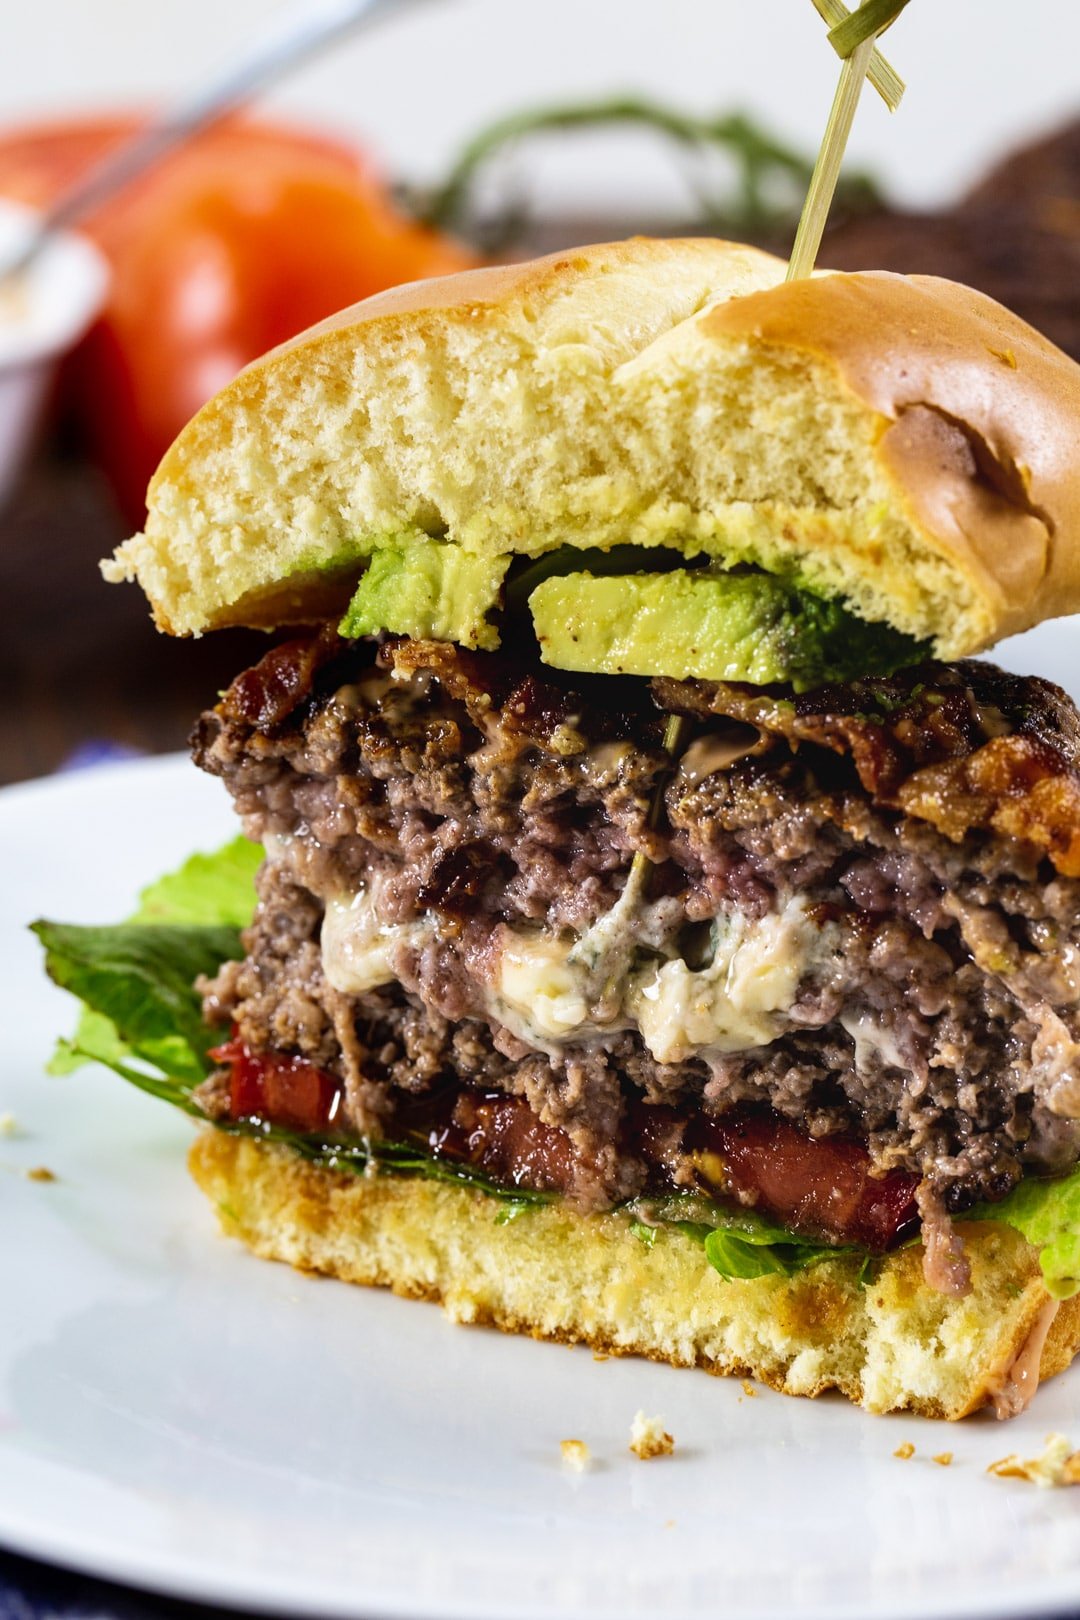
{"x":454,"y":132}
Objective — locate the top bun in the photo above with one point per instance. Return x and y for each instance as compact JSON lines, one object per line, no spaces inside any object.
{"x":902,"y":442}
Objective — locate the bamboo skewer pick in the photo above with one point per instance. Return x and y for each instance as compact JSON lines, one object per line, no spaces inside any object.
{"x":854,"y":35}
{"x":881,"y":74}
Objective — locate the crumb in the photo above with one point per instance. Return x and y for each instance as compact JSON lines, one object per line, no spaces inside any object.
{"x":9,"y":1125}
{"x":600,"y":1355}
{"x":1058,"y":1464}
{"x":905,"y":1451}
{"x":748,"y":1389}
{"x":576,"y":1455}
{"x":649,"y":1438}
{"x":40,"y":1173}
{"x":1006,"y":356}
{"x":942,"y":1458}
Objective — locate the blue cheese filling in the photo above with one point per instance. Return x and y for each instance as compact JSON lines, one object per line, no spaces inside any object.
{"x":554,"y":991}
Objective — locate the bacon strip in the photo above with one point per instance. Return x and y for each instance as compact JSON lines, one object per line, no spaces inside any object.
{"x":963,"y":746}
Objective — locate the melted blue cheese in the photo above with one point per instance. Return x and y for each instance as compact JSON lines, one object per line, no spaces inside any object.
{"x":741,"y":999}
{"x":545,"y":988}
{"x":357,"y":948}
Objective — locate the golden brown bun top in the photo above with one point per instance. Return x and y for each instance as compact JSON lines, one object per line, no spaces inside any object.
{"x":985,"y":386}
{"x":904,"y":442}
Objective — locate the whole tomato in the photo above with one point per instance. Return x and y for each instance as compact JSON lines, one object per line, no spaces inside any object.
{"x":239,"y":239}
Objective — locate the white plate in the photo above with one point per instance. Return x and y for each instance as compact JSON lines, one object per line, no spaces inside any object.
{"x":177,"y":1414}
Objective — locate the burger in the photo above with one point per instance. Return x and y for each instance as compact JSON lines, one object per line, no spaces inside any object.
{"x":652,"y":927}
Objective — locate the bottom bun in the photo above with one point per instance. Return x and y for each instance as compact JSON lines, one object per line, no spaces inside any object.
{"x":891,"y":1344}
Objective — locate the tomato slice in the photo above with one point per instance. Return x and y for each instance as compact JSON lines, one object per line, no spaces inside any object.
{"x":246,"y":234}
{"x":821,"y":1186}
{"x":283,"y":1089}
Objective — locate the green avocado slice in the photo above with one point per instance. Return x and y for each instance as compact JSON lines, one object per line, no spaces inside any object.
{"x":428,"y":589}
{"x":750,"y":627}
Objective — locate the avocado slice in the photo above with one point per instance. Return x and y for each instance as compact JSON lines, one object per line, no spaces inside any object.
{"x":428,"y":589}
{"x":741,"y":626}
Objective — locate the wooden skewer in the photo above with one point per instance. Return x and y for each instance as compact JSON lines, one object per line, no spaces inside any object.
{"x":827,"y":168}
{"x":881,"y":74}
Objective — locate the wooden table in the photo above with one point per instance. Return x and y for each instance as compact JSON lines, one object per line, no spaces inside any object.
{"x":80,"y":661}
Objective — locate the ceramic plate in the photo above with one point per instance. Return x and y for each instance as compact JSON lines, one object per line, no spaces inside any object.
{"x":177,"y":1414}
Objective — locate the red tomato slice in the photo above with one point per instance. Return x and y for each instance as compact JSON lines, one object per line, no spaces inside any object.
{"x":822,"y":1186}
{"x":279,"y":1088}
{"x":233,"y":243}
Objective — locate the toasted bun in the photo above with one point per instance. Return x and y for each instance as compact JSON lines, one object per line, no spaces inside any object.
{"x":905,"y":443}
{"x":892,"y":1345}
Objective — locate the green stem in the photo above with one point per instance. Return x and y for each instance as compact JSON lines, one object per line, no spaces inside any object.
{"x":761,"y":159}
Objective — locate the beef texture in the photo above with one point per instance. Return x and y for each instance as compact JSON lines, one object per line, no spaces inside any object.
{"x":925,"y":827}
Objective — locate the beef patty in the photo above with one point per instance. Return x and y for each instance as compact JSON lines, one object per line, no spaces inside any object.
{"x":863,"y":910}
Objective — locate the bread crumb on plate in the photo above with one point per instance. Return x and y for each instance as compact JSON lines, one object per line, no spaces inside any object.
{"x":649,"y":1438}
{"x":942,"y":1458}
{"x":905,"y":1451}
{"x":41,"y":1172}
{"x":576,"y":1455}
{"x":9,"y":1125}
{"x":1058,"y":1464}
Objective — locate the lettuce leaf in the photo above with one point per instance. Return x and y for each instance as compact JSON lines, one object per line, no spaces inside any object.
{"x":139,"y":979}
{"x":1047,"y":1213}
{"x":144,"y":979}
{"x":142,"y":1018}
{"x":218,"y":888}
{"x":738,"y":1243}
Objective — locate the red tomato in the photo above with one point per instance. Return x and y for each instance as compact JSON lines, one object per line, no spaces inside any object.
{"x":813,"y":1184}
{"x":277,"y":1087}
{"x":235,"y":242}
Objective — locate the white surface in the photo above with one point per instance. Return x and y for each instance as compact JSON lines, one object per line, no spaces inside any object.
{"x":176,"y":1413}
{"x":981,"y":74}
{"x":43,"y":314}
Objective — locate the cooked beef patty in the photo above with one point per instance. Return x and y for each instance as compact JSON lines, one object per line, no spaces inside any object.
{"x":863,"y":911}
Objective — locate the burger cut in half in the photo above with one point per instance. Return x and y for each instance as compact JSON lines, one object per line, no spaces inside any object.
{"x":665,"y":937}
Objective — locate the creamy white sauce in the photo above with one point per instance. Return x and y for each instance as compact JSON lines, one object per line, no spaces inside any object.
{"x":552,"y":991}
{"x":870,"y":1037}
{"x":357,"y":948}
{"x":716,"y":752}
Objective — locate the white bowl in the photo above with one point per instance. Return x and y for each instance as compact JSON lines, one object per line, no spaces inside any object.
{"x":44,"y":314}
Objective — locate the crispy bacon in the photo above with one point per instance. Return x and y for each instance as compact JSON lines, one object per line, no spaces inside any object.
{"x":963,"y":746}
{"x":533,"y":706}
{"x":265,"y":695}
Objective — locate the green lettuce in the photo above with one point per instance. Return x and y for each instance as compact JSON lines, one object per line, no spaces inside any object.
{"x":142,"y":1018}
{"x":216,"y":889}
{"x":136,"y":979}
{"x":738,"y":1243}
{"x":1047,"y":1213}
